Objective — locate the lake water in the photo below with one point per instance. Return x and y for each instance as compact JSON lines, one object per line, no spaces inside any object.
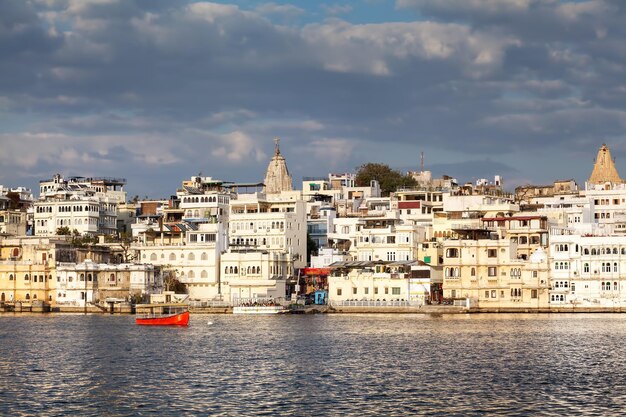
{"x":508,"y":364}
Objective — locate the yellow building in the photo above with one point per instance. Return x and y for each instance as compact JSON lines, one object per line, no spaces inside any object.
{"x":27,"y":269}
{"x":488,"y":273}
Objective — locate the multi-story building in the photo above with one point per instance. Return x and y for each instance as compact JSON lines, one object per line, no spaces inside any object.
{"x":487,"y":271}
{"x":89,"y":283}
{"x":274,"y":224}
{"x":87,"y":205}
{"x":386,"y":239}
{"x":28,"y":268}
{"x":253,"y":275}
{"x":417,"y":205}
{"x":15,"y":204}
{"x":369,"y":281}
{"x":528,"y":232}
{"x":587,"y":270}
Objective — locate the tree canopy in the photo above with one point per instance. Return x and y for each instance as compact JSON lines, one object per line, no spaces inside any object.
{"x":389,"y":179}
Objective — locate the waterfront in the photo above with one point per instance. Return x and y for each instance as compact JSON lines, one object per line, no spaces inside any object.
{"x":513,"y":364}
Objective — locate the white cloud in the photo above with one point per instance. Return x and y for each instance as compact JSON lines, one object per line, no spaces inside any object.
{"x":285,"y":10}
{"x":336,"y":9}
{"x":238,"y":147}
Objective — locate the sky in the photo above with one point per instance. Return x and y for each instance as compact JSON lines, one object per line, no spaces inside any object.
{"x":156,"y":91}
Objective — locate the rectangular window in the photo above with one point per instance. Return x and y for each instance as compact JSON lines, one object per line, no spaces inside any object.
{"x":366,"y":290}
{"x":375,"y":290}
{"x":338,"y":291}
{"x":533,"y":293}
{"x":493,"y":294}
{"x":487,"y":294}
{"x":492,"y":271}
{"x":492,"y":253}
{"x":395,"y":290}
{"x":386,"y":290}
{"x":391,"y":239}
{"x":354,"y":290}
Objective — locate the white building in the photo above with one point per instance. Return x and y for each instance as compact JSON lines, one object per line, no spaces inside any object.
{"x":255,"y":275}
{"x":91,"y":283}
{"x":88,"y":205}
{"x":195,"y":262}
{"x":587,"y":271}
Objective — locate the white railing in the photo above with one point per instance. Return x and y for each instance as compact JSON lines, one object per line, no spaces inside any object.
{"x":373,"y":303}
{"x":209,"y":304}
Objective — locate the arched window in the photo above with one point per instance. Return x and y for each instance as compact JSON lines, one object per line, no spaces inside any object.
{"x":191,"y":257}
{"x":26,"y":277}
{"x":586,"y":267}
{"x":172,"y":256}
{"x":593,"y":251}
{"x":191,"y":274}
{"x":34,"y":296}
{"x":153,"y":257}
{"x":27,"y":296}
{"x":586,"y":251}
{"x":112,"y":277}
{"x":89,"y":277}
{"x":236,"y":270}
{"x":82,"y":277}
{"x":204,"y":274}
{"x":615,"y":252}
{"x":231,"y":270}
{"x":615,"y":267}
{"x":204,"y":256}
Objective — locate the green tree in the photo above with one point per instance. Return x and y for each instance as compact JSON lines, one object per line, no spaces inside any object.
{"x":389,"y":179}
{"x":64,"y":231}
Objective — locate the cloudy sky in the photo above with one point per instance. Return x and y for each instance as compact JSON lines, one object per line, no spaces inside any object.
{"x":158,"y":90}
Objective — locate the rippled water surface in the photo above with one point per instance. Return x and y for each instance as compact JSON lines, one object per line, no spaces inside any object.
{"x":554,"y":364}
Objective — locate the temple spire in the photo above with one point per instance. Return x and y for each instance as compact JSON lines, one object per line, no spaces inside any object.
{"x":604,"y":168}
{"x":277,"y":178}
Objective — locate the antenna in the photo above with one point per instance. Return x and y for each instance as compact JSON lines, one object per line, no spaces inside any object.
{"x":422,"y":161}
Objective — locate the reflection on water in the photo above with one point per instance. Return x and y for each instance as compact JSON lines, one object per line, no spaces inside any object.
{"x":314,"y":365}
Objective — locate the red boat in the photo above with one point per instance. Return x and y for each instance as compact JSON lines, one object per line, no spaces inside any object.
{"x":167,"y":317}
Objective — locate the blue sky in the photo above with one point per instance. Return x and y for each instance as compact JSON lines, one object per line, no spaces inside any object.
{"x":159,"y":90}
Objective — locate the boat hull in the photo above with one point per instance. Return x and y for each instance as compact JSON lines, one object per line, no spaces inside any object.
{"x":181,"y":319}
